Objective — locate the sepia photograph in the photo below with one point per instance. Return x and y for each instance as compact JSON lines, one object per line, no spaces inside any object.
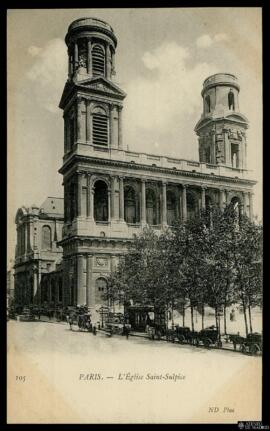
{"x":135,"y":229}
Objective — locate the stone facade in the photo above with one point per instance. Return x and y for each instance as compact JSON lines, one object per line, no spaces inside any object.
{"x":111,"y":193}
{"x":37,"y":249}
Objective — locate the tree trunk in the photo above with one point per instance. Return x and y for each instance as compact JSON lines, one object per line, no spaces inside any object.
{"x":250,"y":319}
{"x":192,"y":317}
{"x":184,"y":311}
{"x":172,"y":313}
{"x":216,"y":316}
{"x":202,"y":316}
{"x":245,"y":317}
{"x":225,"y":319}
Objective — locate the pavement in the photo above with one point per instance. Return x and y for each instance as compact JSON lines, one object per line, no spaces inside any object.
{"x":76,"y":377}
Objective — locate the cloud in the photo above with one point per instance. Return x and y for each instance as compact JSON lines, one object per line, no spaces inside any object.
{"x":205,"y":41}
{"x":34,"y":50}
{"x":48,"y":73}
{"x":161,"y":107}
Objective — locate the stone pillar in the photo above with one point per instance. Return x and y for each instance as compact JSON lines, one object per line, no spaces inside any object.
{"x":109,"y":205}
{"x":65,"y":136}
{"x":121,"y":198}
{"x":164,"y":203}
{"x":35,"y":286}
{"x":213,"y":152}
{"x":184,"y":202}
{"x":222,"y":199}
{"x":245,"y":204}
{"x":143,"y":203}
{"x":112,"y":195}
{"x":90,"y":291}
{"x":25,"y":237}
{"x":79,"y":118}
{"x":76,"y":56}
{"x":113,"y":63}
{"x":251,"y":206}
{"x":81,"y":289}
{"x":79,"y":194}
{"x":112,"y":143}
{"x":203,"y":198}
{"x":120,"y":133}
{"x":108,"y":62}
{"x":88,"y":195}
{"x":89,"y":57}
{"x":91,"y":195}
{"x":88,"y":122}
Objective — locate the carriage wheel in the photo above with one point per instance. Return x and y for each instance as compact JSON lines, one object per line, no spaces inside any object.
{"x":243,"y":348}
{"x":181,"y":339}
{"x":206,"y":342}
{"x":253,"y":349}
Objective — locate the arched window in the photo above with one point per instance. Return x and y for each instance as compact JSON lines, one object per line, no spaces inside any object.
{"x":101,"y":201}
{"x":192,"y":206}
{"x":171,"y":208}
{"x":100,"y":126}
{"x":151,"y":207}
{"x":130,"y":205}
{"x":100,"y":290}
{"x":46,"y":237}
{"x":231,"y":100}
{"x":98,"y":60}
{"x":208,"y":103}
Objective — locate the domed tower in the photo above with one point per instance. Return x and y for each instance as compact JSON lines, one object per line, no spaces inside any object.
{"x":222,"y":128}
{"x":91,"y":102}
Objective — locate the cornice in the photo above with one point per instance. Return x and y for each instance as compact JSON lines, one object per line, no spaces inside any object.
{"x":139,"y":167}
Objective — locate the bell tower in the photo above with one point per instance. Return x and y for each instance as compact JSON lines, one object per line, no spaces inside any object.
{"x":91,"y":101}
{"x":222,"y":128}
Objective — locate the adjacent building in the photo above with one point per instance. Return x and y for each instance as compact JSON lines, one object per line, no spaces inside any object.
{"x":39,"y":229}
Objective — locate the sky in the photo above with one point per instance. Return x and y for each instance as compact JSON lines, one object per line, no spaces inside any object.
{"x":162,"y":58}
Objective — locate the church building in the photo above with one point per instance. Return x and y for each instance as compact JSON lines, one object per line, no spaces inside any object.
{"x":111,"y":193}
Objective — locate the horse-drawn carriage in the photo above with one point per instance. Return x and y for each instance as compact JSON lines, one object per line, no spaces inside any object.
{"x":251,"y":344}
{"x":209,"y":337}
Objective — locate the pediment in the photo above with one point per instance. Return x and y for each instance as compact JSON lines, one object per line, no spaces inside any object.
{"x":103,"y":85}
{"x":98,"y":85}
{"x":237,"y":117}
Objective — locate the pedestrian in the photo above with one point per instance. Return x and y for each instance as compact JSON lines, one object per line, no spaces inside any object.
{"x":127,"y":332}
{"x":94,"y":330}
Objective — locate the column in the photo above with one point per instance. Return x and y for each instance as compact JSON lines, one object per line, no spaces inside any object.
{"x":35,"y":286}
{"x":79,"y":194}
{"x":109,"y":205}
{"x":184,"y":202}
{"x":222,"y":198}
{"x":76,"y":56}
{"x":108,"y":62}
{"x":251,"y":206}
{"x":79,"y":119}
{"x":164,"y":203}
{"x":89,"y":57}
{"x":143,"y":203}
{"x":112,"y":194}
{"x":245,"y":203}
{"x":113,"y":63}
{"x":88,"y":122}
{"x":88,"y":195}
{"x":112,"y":143}
{"x":81,"y":289}
{"x":203,"y":197}
{"x":91,"y":195}
{"x":120,"y":135}
{"x":121,"y":198}
{"x":214,"y":161}
{"x":90,"y":291}
{"x":25,"y":237}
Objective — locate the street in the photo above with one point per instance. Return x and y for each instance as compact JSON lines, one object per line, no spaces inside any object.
{"x":61,"y":376}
